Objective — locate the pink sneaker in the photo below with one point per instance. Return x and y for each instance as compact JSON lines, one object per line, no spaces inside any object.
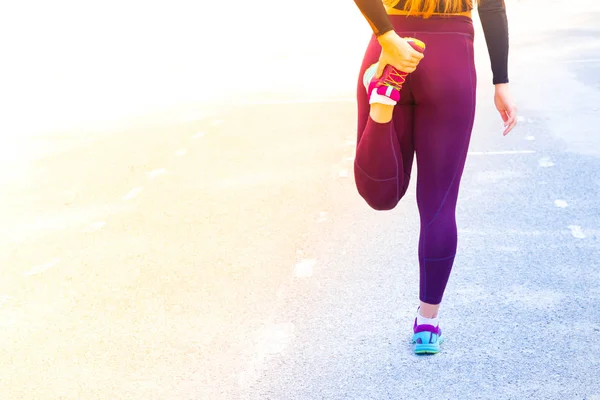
{"x":386,"y":90}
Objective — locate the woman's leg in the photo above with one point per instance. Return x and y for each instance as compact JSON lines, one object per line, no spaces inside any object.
{"x":444,"y":89}
{"x":384,"y":150}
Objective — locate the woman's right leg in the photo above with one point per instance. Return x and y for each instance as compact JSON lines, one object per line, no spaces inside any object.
{"x":384,"y":150}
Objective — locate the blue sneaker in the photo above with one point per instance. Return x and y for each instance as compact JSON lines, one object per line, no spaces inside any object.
{"x":427,"y":339}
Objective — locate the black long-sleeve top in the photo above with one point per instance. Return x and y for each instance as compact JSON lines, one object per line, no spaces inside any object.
{"x":492,"y":14}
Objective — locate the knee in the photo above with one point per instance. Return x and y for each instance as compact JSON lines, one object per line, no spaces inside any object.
{"x":378,"y":199}
{"x":380,"y":195}
{"x":382,"y":205}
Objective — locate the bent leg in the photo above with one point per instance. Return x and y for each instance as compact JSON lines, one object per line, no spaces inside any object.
{"x":384,"y":151}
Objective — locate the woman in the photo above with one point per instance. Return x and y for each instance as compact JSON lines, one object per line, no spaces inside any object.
{"x":429,"y":113}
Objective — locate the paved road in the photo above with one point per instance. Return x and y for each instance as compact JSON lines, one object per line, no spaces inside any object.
{"x":228,"y":256}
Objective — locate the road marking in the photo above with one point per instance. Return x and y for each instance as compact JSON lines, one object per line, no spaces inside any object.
{"x":193,"y":118}
{"x":304,"y":269}
{"x":297,"y":101}
{"x":199,"y":135}
{"x":512,"y":232}
{"x":343,"y":173}
{"x":38,"y":269}
{"x":561,"y":204}
{"x":522,"y":119}
{"x":96,"y":226}
{"x":156,"y":173}
{"x":500,"y":153}
{"x":588,"y":60}
{"x":133,"y":193}
{"x":351,"y":158}
{"x":217,"y":122}
{"x":577,"y":232}
{"x":530,"y":138}
{"x":545,"y":162}
{"x":322,"y":217}
{"x":181,"y":152}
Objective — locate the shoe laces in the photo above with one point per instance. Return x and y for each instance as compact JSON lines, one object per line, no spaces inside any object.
{"x":395,"y":79}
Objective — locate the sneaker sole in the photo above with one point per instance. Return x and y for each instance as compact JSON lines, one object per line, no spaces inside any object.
{"x":427,"y":349}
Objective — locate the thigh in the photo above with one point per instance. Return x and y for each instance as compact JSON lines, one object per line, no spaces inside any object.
{"x":444,"y":88}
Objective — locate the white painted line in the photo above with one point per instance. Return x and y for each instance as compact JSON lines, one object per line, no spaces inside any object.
{"x":500,"y":153}
{"x":530,"y":138}
{"x":133,"y":193}
{"x":181,"y":152}
{"x":561,"y":204}
{"x":297,"y":101}
{"x":95,"y":227}
{"x":217,"y":122}
{"x":304,"y":269}
{"x":522,"y":119}
{"x":509,"y":232}
{"x":343,"y":173}
{"x":350,"y":143}
{"x":577,"y":232}
{"x":322,"y":217}
{"x":351,"y":158}
{"x":193,"y":118}
{"x":545,"y":162}
{"x":156,"y":173}
{"x":38,"y":269}
{"x":589,"y":60}
{"x":199,"y":135}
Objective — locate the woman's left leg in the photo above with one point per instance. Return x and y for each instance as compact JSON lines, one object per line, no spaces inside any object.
{"x":384,"y":150}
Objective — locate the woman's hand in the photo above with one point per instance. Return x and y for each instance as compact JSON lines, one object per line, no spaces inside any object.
{"x":398,"y":53}
{"x":506,"y":107}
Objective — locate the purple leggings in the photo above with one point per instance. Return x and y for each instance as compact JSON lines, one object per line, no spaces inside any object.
{"x":433,"y":119}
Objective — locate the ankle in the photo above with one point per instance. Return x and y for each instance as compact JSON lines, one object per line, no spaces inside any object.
{"x":428,"y":310}
{"x":381,"y":113}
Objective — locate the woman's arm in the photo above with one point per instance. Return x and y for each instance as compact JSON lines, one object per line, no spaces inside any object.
{"x":395,"y":51}
{"x":492,"y":14}
{"x":375,"y":14}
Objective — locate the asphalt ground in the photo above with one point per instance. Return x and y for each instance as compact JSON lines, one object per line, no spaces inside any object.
{"x":219,"y":250}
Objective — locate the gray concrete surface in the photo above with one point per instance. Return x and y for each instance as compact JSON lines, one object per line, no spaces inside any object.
{"x":228,"y":256}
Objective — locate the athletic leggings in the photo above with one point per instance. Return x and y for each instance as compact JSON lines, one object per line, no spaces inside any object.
{"x":433,"y":120}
